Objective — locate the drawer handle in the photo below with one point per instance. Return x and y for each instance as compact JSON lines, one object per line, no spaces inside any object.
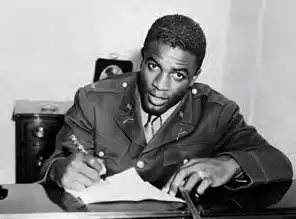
{"x":39,"y":132}
{"x":39,"y":161}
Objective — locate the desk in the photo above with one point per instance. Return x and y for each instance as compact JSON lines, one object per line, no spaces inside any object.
{"x":277,"y":200}
{"x":35,"y":200}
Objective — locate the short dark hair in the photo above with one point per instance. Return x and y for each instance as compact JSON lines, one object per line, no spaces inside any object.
{"x":179,"y":31}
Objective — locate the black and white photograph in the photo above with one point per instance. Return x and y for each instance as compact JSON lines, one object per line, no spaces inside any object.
{"x":147,"y":109}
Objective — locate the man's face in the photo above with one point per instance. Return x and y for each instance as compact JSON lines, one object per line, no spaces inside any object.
{"x":166,"y":74}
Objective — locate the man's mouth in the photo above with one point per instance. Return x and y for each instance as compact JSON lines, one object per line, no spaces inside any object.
{"x":157,"y":101}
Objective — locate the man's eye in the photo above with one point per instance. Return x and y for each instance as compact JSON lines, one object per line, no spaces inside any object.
{"x":178,"y":76}
{"x":152,"y":66}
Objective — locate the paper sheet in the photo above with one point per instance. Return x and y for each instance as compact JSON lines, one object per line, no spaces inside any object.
{"x":125,"y":186}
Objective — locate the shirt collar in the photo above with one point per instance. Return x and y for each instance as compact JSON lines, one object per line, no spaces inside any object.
{"x":164,"y":116}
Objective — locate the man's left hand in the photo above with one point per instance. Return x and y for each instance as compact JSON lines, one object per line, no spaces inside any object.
{"x":210,"y":172}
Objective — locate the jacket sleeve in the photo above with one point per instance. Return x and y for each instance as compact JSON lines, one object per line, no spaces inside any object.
{"x":78,"y":121}
{"x":261,"y":162}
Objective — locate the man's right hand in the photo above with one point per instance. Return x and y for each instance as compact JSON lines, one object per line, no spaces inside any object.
{"x":76,"y":171}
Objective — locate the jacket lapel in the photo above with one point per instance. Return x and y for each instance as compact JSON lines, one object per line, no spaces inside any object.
{"x":128,"y":118}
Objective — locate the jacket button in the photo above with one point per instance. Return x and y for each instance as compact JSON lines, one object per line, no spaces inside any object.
{"x":181,"y":114}
{"x":101,"y":154}
{"x":140,"y":164}
{"x":194,"y":91}
{"x":124,"y":84}
{"x":185,"y":161}
{"x":129,"y":106}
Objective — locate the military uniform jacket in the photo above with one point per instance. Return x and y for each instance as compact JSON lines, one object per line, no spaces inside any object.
{"x":105,"y":119}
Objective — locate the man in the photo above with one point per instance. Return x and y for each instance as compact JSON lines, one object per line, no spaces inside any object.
{"x":175,"y":132}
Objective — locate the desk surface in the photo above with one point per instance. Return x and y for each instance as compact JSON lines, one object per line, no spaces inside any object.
{"x":36,"y":200}
{"x":27,"y":198}
{"x":276,"y":200}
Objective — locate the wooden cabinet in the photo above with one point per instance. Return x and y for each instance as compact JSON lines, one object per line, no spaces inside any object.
{"x":36,"y":126}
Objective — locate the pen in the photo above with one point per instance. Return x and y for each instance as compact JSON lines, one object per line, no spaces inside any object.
{"x":193,"y":210}
{"x":81,"y":149}
{"x":77,"y":144}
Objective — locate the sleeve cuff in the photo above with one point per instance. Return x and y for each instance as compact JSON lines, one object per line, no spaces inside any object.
{"x":238,"y":182}
{"x":252,"y":173}
{"x":46,"y":170}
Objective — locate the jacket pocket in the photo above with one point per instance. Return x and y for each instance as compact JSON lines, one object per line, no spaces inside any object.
{"x":108,"y":148}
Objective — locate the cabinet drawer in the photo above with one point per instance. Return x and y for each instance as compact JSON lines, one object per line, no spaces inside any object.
{"x":35,"y":133}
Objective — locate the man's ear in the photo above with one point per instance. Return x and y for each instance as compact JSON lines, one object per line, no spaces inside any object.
{"x":195,"y":76}
{"x":142,"y":55}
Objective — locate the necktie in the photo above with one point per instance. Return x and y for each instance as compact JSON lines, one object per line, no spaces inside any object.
{"x":151,"y":127}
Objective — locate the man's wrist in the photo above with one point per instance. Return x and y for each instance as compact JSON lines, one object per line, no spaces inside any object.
{"x":233,"y":164}
{"x":239,"y":179}
{"x":54,"y":174}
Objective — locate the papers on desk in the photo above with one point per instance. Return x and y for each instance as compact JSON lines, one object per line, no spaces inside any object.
{"x":125,"y":186}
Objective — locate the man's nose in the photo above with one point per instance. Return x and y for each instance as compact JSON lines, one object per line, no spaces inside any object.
{"x":161,"y":81}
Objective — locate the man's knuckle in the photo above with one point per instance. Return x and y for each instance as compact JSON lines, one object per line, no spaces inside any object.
{"x":71,"y":168}
{"x":64,"y":180}
{"x":92,"y":161}
{"x":75,"y":163}
{"x":86,"y":181}
{"x":95,"y":175}
{"x":68,"y":169}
